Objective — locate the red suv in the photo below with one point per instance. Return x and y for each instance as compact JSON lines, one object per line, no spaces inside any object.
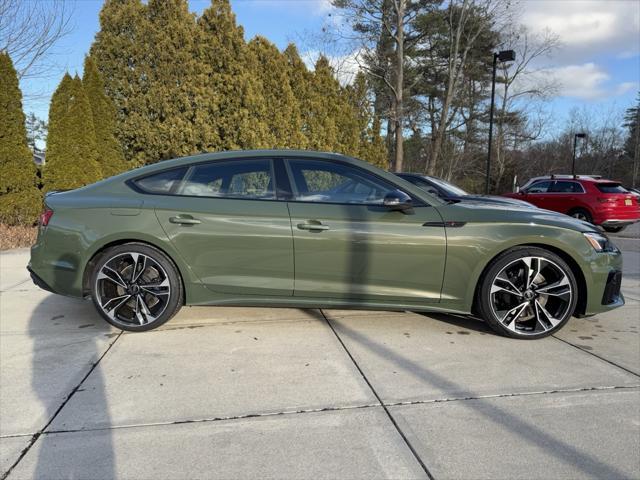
{"x":593,"y":199}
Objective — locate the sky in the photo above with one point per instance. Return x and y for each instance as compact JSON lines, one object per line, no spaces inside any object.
{"x":597,"y":65}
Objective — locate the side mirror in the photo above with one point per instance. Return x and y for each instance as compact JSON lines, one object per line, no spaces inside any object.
{"x":397,"y":200}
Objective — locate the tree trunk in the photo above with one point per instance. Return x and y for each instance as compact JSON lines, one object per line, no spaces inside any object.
{"x":399,"y":87}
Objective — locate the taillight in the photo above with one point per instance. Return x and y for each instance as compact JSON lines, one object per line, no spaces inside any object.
{"x":45,"y":216}
{"x":607,"y":199}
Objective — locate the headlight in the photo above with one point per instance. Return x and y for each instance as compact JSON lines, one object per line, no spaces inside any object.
{"x":599,"y":242}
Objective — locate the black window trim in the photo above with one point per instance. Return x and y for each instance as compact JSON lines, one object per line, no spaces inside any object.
{"x":283,"y":184}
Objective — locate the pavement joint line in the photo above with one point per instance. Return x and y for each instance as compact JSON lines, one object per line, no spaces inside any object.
{"x":509,"y":395}
{"x":331,"y":409}
{"x":193,"y":326}
{"x":37,"y":435}
{"x":220,"y":419}
{"x":6,"y":290}
{"x":598,"y":356}
{"x":375,"y":393}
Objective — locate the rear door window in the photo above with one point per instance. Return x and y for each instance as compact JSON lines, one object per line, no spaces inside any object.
{"x":246,"y":179}
{"x":562,"y":186}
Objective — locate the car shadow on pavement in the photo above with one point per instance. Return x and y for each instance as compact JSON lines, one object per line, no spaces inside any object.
{"x":462,"y":321}
{"x":69,"y":361}
{"x":529,"y":432}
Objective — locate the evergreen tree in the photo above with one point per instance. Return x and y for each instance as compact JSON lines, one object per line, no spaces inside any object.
{"x":323,"y":131}
{"x":632,"y":143}
{"x":371,"y":146}
{"x":147,"y":55}
{"x":282,"y":113}
{"x":233,"y":99}
{"x":109,"y":152}
{"x":20,"y":200}
{"x":121,"y":53}
{"x":300,"y":81}
{"x":71,"y":144}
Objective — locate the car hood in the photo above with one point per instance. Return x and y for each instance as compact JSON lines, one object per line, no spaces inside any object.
{"x":495,"y":199}
{"x":485,"y":212}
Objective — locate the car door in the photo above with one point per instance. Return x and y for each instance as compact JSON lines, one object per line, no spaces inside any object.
{"x":537,"y":193}
{"x":224,"y":219}
{"x":565,"y":195}
{"x":347,"y":245}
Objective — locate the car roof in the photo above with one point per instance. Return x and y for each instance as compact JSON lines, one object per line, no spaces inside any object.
{"x":577,"y":178}
{"x":159,"y":166}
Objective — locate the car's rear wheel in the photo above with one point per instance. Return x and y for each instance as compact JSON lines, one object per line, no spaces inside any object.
{"x":614,"y":229}
{"x":581,"y":214}
{"x":527,"y":293}
{"x":136,"y":287}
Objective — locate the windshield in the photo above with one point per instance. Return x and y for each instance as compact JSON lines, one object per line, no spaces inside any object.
{"x":611,"y":188}
{"x":450,"y":188}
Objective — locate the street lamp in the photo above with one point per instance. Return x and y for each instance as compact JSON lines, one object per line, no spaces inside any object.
{"x":575,"y":141}
{"x":502,"y":56}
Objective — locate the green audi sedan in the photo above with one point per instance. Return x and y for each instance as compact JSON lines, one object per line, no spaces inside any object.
{"x":310,"y":229}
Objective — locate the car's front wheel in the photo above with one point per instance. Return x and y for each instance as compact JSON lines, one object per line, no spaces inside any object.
{"x":136,"y":287}
{"x":528,"y":293}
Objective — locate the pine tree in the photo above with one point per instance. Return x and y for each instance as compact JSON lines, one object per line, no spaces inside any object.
{"x":147,"y":54}
{"x":370,"y":146}
{"x":20,"y":200}
{"x":233,"y":99}
{"x":300,"y":81}
{"x":71,"y":144}
{"x":120,"y":51}
{"x":109,"y":152}
{"x":282,"y":113}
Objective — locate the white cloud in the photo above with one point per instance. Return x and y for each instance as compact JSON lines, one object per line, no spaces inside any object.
{"x":587,"y":81}
{"x":587,"y":27}
{"x":625,"y":87}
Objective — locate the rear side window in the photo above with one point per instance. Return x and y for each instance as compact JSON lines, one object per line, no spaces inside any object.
{"x":248,"y":179}
{"x":161,"y":183}
{"x":566,"y":187}
{"x":611,"y":188}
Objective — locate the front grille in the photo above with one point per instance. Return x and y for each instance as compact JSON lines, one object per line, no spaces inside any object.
{"x":612,"y":289}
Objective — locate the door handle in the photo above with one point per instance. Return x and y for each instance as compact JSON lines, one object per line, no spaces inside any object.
{"x":313,"y":226}
{"x":186,"y":220}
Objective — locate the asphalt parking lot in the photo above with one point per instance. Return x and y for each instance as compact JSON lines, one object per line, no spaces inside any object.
{"x":288,"y":393}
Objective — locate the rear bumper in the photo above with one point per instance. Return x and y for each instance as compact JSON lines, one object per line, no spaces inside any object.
{"x":618,"y":222}
{"x":38,"y":281}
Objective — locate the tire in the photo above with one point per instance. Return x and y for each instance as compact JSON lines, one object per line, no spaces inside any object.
{"x":534,"y":311}
{"x":614,"y":229}
{"x":581,"y":214}
{"x":136,"y":287}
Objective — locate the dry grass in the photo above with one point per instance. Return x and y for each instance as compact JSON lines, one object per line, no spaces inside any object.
{"x":16,"y":236}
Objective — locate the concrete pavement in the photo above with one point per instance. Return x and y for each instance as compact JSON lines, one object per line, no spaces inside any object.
{"x":289,"y":393}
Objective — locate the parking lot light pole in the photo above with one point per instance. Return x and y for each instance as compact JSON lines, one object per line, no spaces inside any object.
{"x":575,"y":141}
{"x":502,"y":56}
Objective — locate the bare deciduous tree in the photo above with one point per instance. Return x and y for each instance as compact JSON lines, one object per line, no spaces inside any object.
{"x":29,"y":29}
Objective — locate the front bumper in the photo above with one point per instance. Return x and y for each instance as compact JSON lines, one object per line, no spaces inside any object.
{"x":618,"y":222}
{"x":604,"y":287}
